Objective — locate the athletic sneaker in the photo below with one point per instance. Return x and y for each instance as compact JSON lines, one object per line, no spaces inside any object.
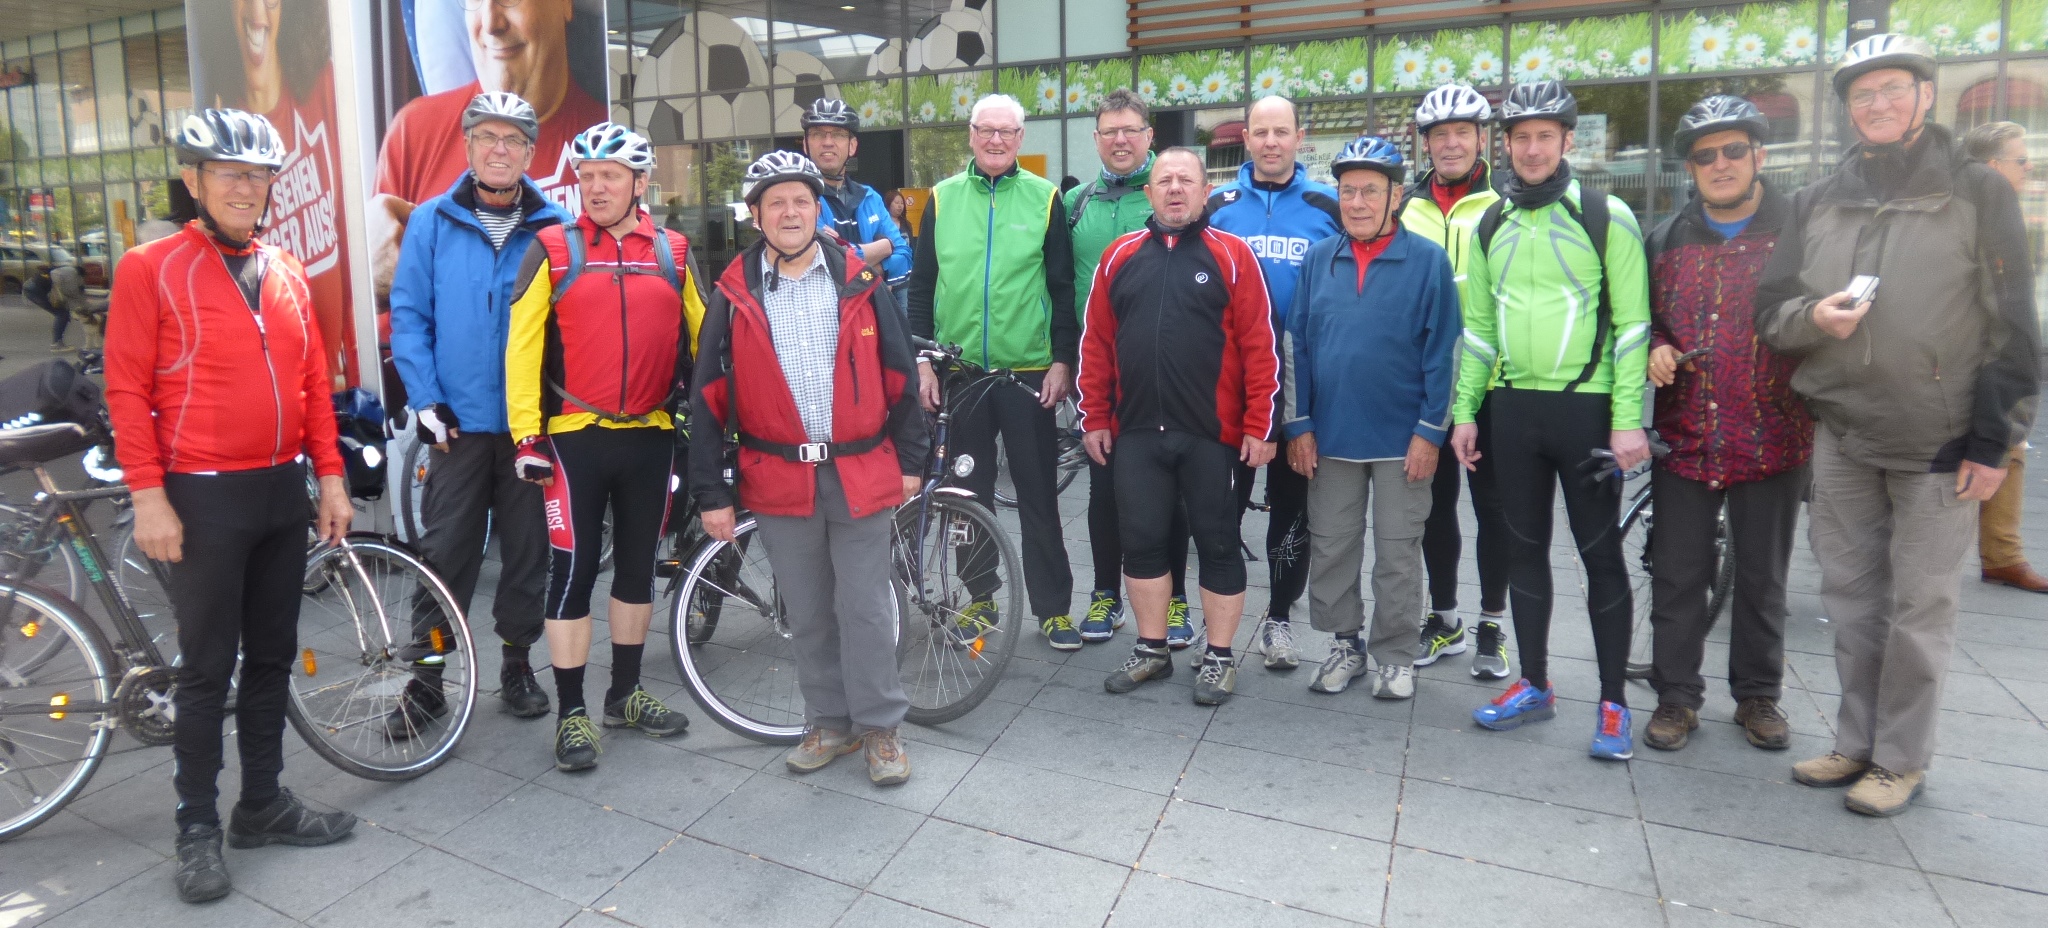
{"x":1440,"y":639}
{"x":1613,"y":738}
{"x":1105,"y":616}
{"x":202,"y":874}
{"x":419,"y":704}
{"x":1522,"y":703}
{"x":521,"y":693}
{"x":1060,"y":633}
{"x":1179,"y":634}
{"x":976,"y":620}
{"x":644,"y":712}
{"x":1143,"y":666}
{"x":576,"y":742}
{"x":1490,"y":662}
{"x":286,"y":820}
{"x":1345,"y":663}
{"x":1276,"y":638}
{"x":1393,"y":681}
{"x":1215,"y":681}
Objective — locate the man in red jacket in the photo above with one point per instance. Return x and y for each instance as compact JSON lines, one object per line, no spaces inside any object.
{"x":217,"y":384}
{"x":1179,"y":380}
{"x":830,"y":440}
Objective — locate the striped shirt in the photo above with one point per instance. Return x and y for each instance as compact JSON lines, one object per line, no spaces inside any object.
{"x":803,"y":319}
{"x":499,"y":223}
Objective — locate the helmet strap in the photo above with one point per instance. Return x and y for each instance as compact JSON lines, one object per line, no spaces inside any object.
{"x":494,"y":191}
{"x":775,"y":273}
{"x":1748,"y":193}
{"x":1389,"y":221}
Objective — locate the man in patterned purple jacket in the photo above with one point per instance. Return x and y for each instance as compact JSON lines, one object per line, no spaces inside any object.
{"x":1738,"y":436}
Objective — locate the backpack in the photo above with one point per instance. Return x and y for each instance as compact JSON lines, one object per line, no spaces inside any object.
{"x":1096,"y":190}
{"x":664,"y":255}
{"x":1595,"y":221}
{"x":50,"y":392}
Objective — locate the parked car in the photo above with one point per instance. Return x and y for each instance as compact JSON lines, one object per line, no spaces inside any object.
{"x":19,"y":262}
{"x":91,"y":249}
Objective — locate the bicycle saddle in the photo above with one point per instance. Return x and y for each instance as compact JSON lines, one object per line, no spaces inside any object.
{"x":38,"y":443}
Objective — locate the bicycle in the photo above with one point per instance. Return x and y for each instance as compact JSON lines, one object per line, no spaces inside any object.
{"x":413,"y":474}
{"x":952,"y":560}
{"x":1070,"y":459}
{"x":66,"y":686}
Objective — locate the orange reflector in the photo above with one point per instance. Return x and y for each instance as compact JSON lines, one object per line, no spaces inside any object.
{"x":30,"y":629}
{"x":440,"y":640}
{"x":306,"y":658}
{"x":61,"y":699}
{"x":974,"y":647}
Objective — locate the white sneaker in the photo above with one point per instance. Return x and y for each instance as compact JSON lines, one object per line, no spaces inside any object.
{"x":1344,"y":663}
{"x":1392,"y":682}
{"x":1276,"y":638}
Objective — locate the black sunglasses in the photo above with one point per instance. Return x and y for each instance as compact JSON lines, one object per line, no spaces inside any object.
{"x":1733,"y":151}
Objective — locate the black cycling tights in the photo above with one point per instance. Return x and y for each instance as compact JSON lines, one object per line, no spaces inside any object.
{"x":595,"y":467}
{"x":1443,"y":539}
{"x":237,"y":589}
{"x":1286,"y":531}
{"x":1539,"y":440}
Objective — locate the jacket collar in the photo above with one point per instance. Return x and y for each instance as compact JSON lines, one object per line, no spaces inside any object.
{"x":1153,"y":225}
{"x":989,"y":183}
{"x":1769,"y":219}
{"x":535,"y":210}
{"x":1930,"y":184}
{"x":1247,"y":175}
{"x":1482,"y":181}
{"x":591,"y":232}
{"x":196,"y":230}
{"x":1399,"y":244}
{"x":842,"y":262}
{"x":1137,"y":178}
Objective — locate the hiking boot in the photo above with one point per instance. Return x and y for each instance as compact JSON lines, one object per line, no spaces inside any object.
{"x":1830,"y":771}
{"x":1215,"y":681}
{"x":1276,"y":638}
{"x":1521,"y":704}
{"x":1883,"y":793}
{"x":1060,"y":633}
{"x":978,"y":619}
{"x":1105,"y":616}
{"x":1179,"y":634}
{"x":521,"y":693}
{"x":419,"y":704}
{"x":887,"y":764}
{"x":1344,"y":664}
{"x":1144,"y":665}
{"x":1393,"y":681}
{"x":202,"y":874}
{"x":575,"y":742}
{"x":1490,"y":660}
{"x":1613,"y":737}
{"x":1670,"y":727}
{"x":1440,"y":639}
{"x":644,"y":712}
{"x":1764,"y":723}
{"x":819,"y":748}
{"x":286,"y":820}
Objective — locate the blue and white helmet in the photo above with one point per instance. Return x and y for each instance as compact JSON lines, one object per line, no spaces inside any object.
{"x":1451,"y":103}
{"x":609,"y":141}
{"x":1372,"y":153}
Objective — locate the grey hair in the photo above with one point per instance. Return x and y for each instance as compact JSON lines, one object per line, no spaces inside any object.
{"x":997,"y":100}
{"x":1182,"y":150}
{"x":1983,"y":142}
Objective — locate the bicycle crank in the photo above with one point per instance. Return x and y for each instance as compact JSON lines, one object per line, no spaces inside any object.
{"x":148,"y":707}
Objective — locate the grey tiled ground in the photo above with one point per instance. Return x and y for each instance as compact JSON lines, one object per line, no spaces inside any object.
{"x":1057,"y":805}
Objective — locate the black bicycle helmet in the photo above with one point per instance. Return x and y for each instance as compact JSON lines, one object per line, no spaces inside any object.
{"x":500,"y":106}
{"x":1373,"y":153}
{"x":826,"y":111}
{"x":1540,"y":100}
{"x":1451,"y":103}
{"x":1718,"y":113}
{"x":774,"y":168}
{"x":230,"y":135}
{"x":1885,"y":50}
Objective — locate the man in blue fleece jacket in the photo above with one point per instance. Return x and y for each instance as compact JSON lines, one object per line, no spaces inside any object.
{"x":1366,"y":403}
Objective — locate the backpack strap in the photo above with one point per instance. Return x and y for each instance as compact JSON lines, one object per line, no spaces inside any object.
{"x":1594,"y":219}
{"x":572,"y":238}
{"x":1089,"y":192}
{"x":579,"y":252}
{"x":1489,"y":223}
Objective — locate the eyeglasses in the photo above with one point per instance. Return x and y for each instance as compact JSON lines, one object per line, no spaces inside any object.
{"x":1892,"y":93}
{"x":990,"y":133}
{"x":1120,"y":134}
{"x":489,"y":141}
{"x":500,"y":4}
{"x":2022,"y":160}
{"x":1358,"y":193}
{"x":256,"y":177}
{"x":1733,"y":151}
{"x":266,"y":4}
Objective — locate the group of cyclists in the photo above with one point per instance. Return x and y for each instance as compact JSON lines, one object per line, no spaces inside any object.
{"x":1361,"y":341}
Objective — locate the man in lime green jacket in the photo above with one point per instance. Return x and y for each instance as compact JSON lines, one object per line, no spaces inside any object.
{"x":994,"y":274}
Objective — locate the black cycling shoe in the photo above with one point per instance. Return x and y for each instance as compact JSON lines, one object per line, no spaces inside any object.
{"x":575,"y":742}
{"x":286,"y":821}
{"x":521,"y":692}
{"x":202,"y":875}
{"x":418,"y":706}
{"x":644,"y":712}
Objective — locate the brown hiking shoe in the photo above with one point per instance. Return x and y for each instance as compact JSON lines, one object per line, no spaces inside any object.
{"x":1764,"y":723}
{"x":1884,"y":793}
{"x":1830,"y":771}
{"x":820,"y":746}
{"x":887,"y":764}
{"x":1671,"y":727}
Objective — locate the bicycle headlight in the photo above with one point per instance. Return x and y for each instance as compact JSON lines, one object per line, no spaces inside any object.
{"x":963,"y":465}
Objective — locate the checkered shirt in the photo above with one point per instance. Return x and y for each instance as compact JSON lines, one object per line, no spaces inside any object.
{"x":803,"y":318}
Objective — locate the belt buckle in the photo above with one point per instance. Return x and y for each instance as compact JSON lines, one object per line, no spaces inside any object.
{"x":816,"y":452}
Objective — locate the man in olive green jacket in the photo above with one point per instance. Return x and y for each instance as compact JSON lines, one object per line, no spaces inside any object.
{"x":994,"y":274}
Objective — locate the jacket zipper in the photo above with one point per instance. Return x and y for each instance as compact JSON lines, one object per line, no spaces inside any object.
{"x":262,"y":341}
{"x":988,"y":255}
{"x":625,"y":346}
{"x":1159,"y":333}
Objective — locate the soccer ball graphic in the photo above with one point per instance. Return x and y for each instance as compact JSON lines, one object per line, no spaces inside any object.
{"x":721,"y":60}
{"x":956,"y":38}
{"x":806,"y":71}
{"x":886,"y":59}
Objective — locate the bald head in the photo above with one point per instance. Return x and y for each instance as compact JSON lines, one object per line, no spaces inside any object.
{"x":1272,"y":137}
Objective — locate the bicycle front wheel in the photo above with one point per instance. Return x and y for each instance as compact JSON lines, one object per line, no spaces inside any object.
{"x":1635,"y":556}
{"x":53,"y":719}
{"x":732,"y":640}
{"x":386,"y":677}
{"x":54,"y":565}
{"x":960,"y":584}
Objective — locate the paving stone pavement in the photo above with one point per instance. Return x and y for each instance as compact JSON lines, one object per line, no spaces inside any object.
{"x":1054,"y":804}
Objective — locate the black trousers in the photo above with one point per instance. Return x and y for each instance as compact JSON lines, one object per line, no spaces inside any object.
{"x":1160,"y":471}
{"x":1540,"y":439}
{"x":1286,"y":531}
{"x":472,"y":492}
{"x":236,"y":590}
{"x":1443,"y":540}
{"x":1763,"y":517}
{"x":1031,"y":438}
{"x":1105,"y":537}
{"x":623,"y":470}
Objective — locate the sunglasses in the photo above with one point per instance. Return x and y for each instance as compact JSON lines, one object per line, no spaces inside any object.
{"x":1733,"y":151}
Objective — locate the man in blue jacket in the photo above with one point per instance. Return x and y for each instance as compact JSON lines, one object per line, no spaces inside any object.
{"x":1366,"y":406}
{"x":450,"y":312}
{"x":853,"y":210}
{"x":1276,"y":208}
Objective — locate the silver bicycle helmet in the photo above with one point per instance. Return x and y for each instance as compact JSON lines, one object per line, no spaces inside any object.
{"x":1719,"y":113}
{"x":826,"y":111}
{"x":609,"y":141}
{"x":1540,"y":100}
{"x":230,"y":135}
{"x":500,"y":106}
{"x":1451,"y":103}
{"x":1885,"y":50}
{"x":774,"y":168}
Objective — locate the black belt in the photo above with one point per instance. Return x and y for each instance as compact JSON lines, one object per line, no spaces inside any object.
{"x":817,"y":452}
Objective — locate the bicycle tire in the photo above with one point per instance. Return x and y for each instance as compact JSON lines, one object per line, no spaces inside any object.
{"x":36,"y":567}
{"x":1635,"y":556}
{"x":928,"y":644}
{"x":1724,"y":566}
{"x":412,"y":494}
{"x":1069,"y":458}
{"x":138,"y":579}
{"x":742,"y":673}
{"x":339,"y":734}
{"x":22,"y":733}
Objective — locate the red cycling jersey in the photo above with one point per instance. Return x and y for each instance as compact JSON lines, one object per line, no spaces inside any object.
{"x":196,"y":382}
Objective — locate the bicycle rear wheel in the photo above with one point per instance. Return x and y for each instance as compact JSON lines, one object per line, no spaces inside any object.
{"x":960,"y":583}
{"x":412,"y":493}
{"x":1069,"y":458}
{"x":53,"y":565}
{"x":53,"y":719}
{"x":732,"y":640}
{"x":142,"y":582}
{"x":1635,"y":556}
{"x":377,"y":626}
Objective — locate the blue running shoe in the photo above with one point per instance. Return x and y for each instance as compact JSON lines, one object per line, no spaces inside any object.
{"x":1614,"y":739}
{"x":1060,"y":633}
{"x":1522,"y":703}
{"x":1105,"y":616}
{"x":1179,"y":632}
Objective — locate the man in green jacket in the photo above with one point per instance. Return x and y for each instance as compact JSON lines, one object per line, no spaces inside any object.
{"x":994,"y":274}
{"x":1557,"y":331}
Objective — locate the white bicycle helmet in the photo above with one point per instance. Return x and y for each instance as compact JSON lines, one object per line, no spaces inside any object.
{"x":774,"y":168}
{"x":501,"y":106}
{"x":230,"y":135}
{"x":1451,"y":103}
{"x":1884,"y":50}
{"x":609,"y":141}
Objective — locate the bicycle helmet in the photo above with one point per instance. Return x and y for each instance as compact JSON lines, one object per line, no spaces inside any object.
{"x":230,"y":135}
{"x":1373,"y":153}
{"x":774,"y":168}
{"x":1540,"y":100}
{"x":1451,"y":103}
{"x":609,"y":141}
{"x":826,"y":111}
{"x":1885,"y":50}
{"x":1719,"y":113}
{"x":500,"y":106}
